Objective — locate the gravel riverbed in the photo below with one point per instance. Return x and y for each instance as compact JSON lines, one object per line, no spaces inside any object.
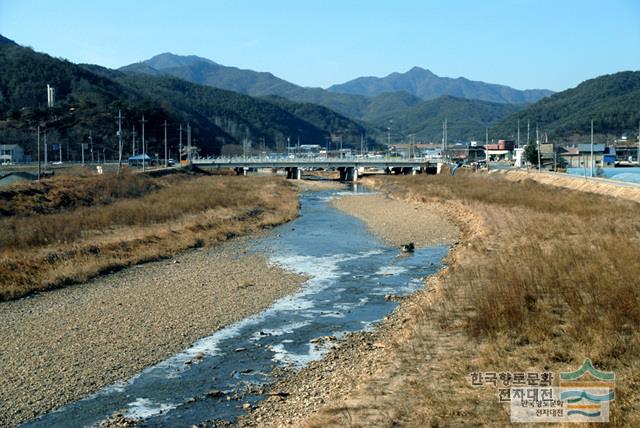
{"x":59,"y":346}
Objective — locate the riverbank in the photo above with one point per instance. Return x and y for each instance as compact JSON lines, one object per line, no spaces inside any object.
{"x":399,"y":222}
{"x":70,"y":229}
{"x":528,"y":288}
{"x":331,"y":382}
{"x":60,"y":346}
{"x":622,"y":190}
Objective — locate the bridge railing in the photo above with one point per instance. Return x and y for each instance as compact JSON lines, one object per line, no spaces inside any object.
{"x":301,"y":160}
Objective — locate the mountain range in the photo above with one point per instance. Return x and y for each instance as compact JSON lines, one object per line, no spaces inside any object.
{"x":351,"y":99}
{"x":427,"y":86}
{"x":88,"y":98}
{"x":270,"y":111}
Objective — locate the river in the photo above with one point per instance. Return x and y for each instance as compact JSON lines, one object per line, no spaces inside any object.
{"x":349,"y":273}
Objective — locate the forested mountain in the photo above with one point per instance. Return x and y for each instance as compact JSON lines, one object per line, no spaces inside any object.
{"x":206,"y":72}
{"x":365,"y":98}
{"x":467,"y":119}
{"x":611,"y":101}
{"x":426,"y":85}
{"x":389,"y":103}
{"x":89,"y":97}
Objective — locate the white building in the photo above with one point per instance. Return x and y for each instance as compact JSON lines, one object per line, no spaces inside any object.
{"x":11,"y":153}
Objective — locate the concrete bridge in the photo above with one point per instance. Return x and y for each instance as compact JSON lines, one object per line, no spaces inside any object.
{"x":347,"y":167}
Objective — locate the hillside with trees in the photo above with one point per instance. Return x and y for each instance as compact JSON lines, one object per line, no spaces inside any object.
{"x":611,"y":101}
{"x":203,"y":71}
{"x":88,"y":99}
{"x":467,"y":119}
{"x":426,"y":85}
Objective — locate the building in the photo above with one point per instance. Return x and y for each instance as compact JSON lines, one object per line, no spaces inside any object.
{"x":501,"y":151}
{"x":139,"y":160}
{"x":11,"y":153}
{"x":580,"y":156}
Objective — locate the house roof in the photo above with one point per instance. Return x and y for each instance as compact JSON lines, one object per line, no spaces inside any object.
{"x":9,"y":146}
{"x":139,"y":157}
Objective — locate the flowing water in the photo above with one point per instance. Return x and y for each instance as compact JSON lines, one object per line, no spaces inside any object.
{"x":350,"y":272}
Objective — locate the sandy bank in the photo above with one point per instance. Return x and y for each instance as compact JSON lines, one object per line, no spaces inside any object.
{"x":61,"y":345}
{"x":398,"y":222}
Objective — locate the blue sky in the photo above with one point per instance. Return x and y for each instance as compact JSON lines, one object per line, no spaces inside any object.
{"x":522,"y":43}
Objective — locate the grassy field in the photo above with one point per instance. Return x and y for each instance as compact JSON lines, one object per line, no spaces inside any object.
{"x":68,"y":229}
{"x":543,"y":278}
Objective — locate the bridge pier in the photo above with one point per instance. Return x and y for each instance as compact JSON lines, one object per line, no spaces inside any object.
{"x":293,"y":173}
{"x":348,"y":173}
{"x":240,"y":170}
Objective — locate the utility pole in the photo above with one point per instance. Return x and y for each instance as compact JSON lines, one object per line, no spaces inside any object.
{"x":91,"y":145}
{"x":119,"y":141}
{"x":527,"y":131}
{"x":555,"y":158}
{"x":180,"y":145}
{"x":446,"y":139}
{"x":388,"y":140}
{"x":442,"y":148}
{"x":486,"y":142}
{"x":144,"y":149}
{"x":518,"y":143}
{"x":82,"y":151}
{"x":39,"y":171}
{"x":189,"y":143}
{"x":133,"y":140}
{"x":591,"y":160}
{"x":166,"y":159}
{"x":45,"y":149}
{"x":638,"y":143}
{"x":361,"y":145}
{"x":538,"y":144}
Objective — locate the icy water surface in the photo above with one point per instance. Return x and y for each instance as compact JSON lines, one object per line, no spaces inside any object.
{"x":349,"y":272}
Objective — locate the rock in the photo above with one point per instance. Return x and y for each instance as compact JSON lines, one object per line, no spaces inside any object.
{"x":392,"y":297}
{"x":246,"y":406}
{"x":214,"y":393}
{"x":240,"y":349}
{"x":282,"y":394}
{"x":408,"y":248}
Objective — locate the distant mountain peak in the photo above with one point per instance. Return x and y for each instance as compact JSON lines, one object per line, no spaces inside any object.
{"x":419,"y":70}
{"x":6,"y":41}
{"x":168,"y":60}
{"x":425,"y":84}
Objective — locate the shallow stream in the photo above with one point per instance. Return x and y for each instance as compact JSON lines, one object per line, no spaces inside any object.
{"x":350,"y":271}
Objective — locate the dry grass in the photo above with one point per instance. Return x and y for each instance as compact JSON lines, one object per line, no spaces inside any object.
{"x":67,"y":230}
{"x":544,"y":278}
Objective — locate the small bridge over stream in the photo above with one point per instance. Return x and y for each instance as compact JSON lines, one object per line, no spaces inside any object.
{"x":349,"y":168}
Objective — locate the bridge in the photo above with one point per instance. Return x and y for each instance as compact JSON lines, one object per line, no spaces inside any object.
{"x":349,"y":168}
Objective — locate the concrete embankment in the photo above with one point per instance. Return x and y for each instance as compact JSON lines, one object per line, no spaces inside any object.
{"x":621,"y":190}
